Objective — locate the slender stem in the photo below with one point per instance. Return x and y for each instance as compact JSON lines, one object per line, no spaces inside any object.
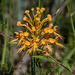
{"x":9,"y":12}
{"x":33,"y":65}
{"x":59,"y":63}
{"x":7,"y":36}
{"x":71,"y":19}
{"x":72,"y":26}
{"x":4,"y":51}
{"x":4,"y":48}
{"x":2,"y":15}
{"x":2,"y":10}
{"x":39,"y":66}
{"x":39,"y":4}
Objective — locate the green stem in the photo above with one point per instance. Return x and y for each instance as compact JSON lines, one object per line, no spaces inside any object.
{"x":33,"y":65}
{"x":4,"y":48}
{"x":39,"y":4}
{"x":71,"y":19}
{"x":39,"y":66}
{"x":2,"y":10}
{"x":4,"y":52}
{"x":72,"y":26}
{"x":9,"y":12}
{"x":2,"y":15}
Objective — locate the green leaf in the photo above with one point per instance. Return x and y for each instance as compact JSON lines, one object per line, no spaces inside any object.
{"x":68,"y":66}
{"x":45,"y":58}
{"x":65,"y":62}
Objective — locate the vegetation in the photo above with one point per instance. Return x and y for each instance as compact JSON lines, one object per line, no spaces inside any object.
{"x":43,"y":43}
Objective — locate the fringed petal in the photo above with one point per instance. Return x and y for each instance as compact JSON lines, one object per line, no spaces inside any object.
{"x":47,"y":54}
{"x":60,"y":44}
{"x":16,"y":33}
{"x":14,"y":40}
{"x":51,"y":40}
{"x":49,"y":47}
{"x":20,"y":49}
{"x":20,"y":40}
{"x":30,"y":50}
{"x":58,"y":35}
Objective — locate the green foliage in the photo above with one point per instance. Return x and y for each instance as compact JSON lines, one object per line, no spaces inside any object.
{"x":65,"y":21}
{"x":45,"y":58}
{"x":66,"y":59}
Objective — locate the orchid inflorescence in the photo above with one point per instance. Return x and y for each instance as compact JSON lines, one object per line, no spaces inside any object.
{"x":35,"y":37}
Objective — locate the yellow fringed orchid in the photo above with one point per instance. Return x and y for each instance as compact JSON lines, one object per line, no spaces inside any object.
{"x":34,"y":37}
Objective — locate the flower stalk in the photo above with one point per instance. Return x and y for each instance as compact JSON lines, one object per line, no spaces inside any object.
{"x":35,"y":39}
{"x":32,"y":65}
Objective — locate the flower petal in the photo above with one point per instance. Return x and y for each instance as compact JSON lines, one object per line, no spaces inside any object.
{"x":59,"y":44}
{"x":30,"y":50}
{"x":49,"y":47}
{"x":58,"y":35}
{"x":21,"y":48}
{"x":51,"y":40}
{"x":20,"y":40}
{"x":14,"y":40}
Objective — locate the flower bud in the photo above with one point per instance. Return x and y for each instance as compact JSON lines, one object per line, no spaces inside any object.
{"x":18,"y":23}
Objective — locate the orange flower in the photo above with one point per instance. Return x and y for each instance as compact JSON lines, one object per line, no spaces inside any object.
{"x":35,"y":36}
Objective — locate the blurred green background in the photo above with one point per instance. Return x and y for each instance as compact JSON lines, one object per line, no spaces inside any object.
{"x":12,"y":11}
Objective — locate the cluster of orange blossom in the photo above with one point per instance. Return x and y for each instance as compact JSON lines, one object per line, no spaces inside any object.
{"x":34,"y":37}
